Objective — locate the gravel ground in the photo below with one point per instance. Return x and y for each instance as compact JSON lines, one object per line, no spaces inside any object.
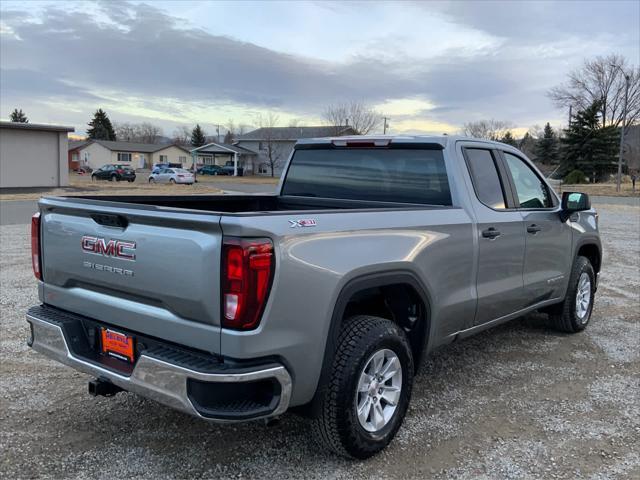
{"x":518,"y":401}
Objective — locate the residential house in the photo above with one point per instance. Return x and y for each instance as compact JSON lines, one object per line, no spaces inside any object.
{"x":95,"y":153}
{"x":224,"y":154}
{"x":280,"y":141}
{"x":33,"y":155}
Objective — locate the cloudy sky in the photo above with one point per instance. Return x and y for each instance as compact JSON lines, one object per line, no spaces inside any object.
{"x":429,"y":66}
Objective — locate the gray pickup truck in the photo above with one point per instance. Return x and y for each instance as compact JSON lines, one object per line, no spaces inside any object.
{"x":322,"y":298}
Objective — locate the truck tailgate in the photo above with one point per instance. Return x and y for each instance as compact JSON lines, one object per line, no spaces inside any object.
{"x":135,"y":266}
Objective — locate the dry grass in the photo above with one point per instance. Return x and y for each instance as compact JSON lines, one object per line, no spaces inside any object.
{"x":247,"y":180}
{"x":608,"y":189}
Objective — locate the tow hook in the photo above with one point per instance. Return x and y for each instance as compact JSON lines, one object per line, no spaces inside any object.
{"x":103,"y":388}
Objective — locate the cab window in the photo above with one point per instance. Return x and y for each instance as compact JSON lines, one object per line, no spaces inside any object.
{"x":530,"y":189}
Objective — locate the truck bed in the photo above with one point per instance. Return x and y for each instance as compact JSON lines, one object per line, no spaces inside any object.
{"x":243,"y":204}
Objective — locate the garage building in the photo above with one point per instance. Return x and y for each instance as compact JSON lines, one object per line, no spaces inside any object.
{"x":33,"y":155}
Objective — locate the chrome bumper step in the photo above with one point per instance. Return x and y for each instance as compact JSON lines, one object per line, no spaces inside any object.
{"x":154,"y":376}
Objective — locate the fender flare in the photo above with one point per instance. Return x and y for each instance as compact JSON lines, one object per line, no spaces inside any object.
{"x":346,"y":293}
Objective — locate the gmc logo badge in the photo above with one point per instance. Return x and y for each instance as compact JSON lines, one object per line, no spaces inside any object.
{"x":112,"y":248}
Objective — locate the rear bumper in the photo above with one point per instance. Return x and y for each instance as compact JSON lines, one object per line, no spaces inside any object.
{"x":213,"y":393}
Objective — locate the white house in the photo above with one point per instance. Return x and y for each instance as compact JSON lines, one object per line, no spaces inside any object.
{"x":222,"y":154}
{"x":96,"y":153}
{"x":33,"y":155}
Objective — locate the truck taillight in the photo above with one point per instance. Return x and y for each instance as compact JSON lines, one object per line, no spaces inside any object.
{"x":35,"y":246}
{"x":247,"y":272}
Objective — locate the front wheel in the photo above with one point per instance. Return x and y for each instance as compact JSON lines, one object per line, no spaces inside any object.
{"x":574,"y":313}
{"x":152,"y":180}
{"x":368,"y":393}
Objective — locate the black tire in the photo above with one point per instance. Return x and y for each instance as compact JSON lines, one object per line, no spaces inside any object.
{"x":114,"y":178}
{"x":152,"y":180}
{"x":336,"y":427}
{"x":93,"y":178}
{"x":171,"y":180}
{"x":563,"y":316}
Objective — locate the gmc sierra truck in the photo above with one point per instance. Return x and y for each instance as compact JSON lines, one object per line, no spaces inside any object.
{"x":322,"y":298}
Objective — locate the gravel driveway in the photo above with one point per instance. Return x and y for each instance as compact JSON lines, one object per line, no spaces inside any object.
{"x":518,"y":401}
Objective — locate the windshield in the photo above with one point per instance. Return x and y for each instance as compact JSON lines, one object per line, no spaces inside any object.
{"x":375,"y":174}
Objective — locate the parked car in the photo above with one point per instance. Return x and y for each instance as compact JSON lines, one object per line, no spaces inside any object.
{"x":114,"y":173}
{"x":172,"y":175}
{"x":229,"y":168}
{"x":326,"y":296}
{"x":212,"y":170}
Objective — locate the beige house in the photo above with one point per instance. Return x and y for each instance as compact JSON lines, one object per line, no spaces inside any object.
{"x":33,"y":155}
{"x":96,"y":153}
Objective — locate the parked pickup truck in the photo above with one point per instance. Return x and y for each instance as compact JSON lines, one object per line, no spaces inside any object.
{"x":323,"y":298}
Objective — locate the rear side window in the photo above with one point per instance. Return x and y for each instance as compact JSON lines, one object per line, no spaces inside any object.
{"x":486,"y":181}
{"x":374,"y":174}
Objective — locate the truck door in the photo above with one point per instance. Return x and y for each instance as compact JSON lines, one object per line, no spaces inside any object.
{"x":500,"y":236}
{"x":547,"y":239}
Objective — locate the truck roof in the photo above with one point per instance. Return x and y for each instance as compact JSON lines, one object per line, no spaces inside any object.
{"x":441,"y":140}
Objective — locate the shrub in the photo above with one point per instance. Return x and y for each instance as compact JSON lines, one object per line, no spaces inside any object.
{"x":575,"y":177}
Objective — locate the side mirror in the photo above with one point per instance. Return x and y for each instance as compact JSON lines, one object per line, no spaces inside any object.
{"x":574,"y":202}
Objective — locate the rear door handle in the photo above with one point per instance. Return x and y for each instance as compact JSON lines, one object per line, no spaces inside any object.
{"x":533,"y":229}
{"x":491,"y":232}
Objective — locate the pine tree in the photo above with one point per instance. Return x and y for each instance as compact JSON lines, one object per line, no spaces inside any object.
{"x":547,"y":147}
{"x":18,"y":116}
{"x":197,"y":137}
{"x":229,"y":137}
{"x":508,"y":138}
{"x":100,"y":127}
{"x":588,"y":146}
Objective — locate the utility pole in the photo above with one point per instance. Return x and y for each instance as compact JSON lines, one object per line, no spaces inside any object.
{"x":385,"y":125}
{"x":570,"y":109}
{"x":627,"y":80}
{"x":218,"y":133}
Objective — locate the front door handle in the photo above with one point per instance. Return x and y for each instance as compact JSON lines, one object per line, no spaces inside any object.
{"x":491,"y":232}
{"x":533,"y":228}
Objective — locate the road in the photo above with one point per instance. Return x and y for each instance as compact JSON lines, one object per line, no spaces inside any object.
{"x":14,"y":212}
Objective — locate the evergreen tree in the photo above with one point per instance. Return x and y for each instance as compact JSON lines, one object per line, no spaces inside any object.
{"x":18,"y":116}
{"x":197,"y":137}
{"x":229,"y":137}
{"x":588,"y":146}
{"x":547,"y":147}
{"x":527,"y":145}
{"x":508,"y":138}
{"x":100,"y":127}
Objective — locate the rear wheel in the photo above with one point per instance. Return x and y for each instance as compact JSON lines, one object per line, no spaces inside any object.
{"x":114,"y":178}
{"x":93,"y":178}
{"x":369,"y":389}
{"x":171,"y":180}
{"x":574,"y":313}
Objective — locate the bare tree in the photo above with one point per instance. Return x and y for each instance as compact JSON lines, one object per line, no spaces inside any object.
{"x":125,"y":131}
{"x":182,"y":135}
{"x":149,"y":133}
{"x":357,"y":115}
{"x":274,"y":149}
{"x":138,"y":132}
{"x":602,"y":79}
{"x":487,"y":129}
